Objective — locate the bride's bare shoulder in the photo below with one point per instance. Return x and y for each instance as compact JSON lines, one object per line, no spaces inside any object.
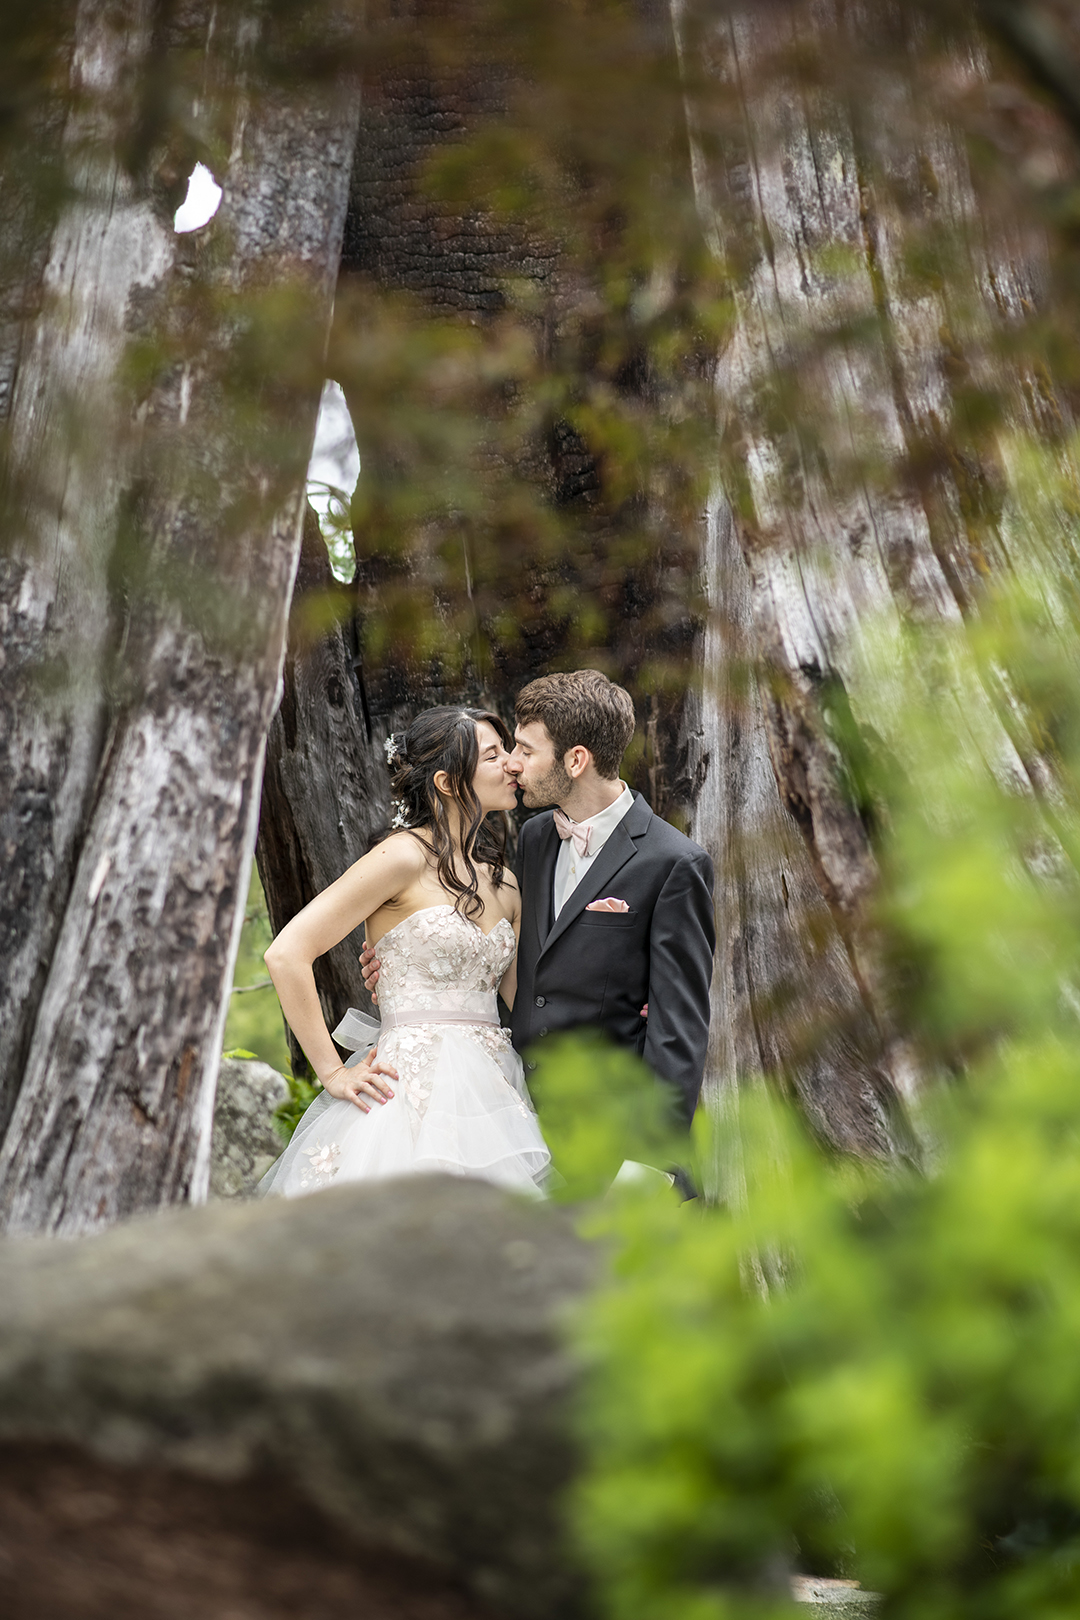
{"x":399,"y":853}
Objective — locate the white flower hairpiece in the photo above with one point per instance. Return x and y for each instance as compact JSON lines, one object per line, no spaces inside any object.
{"x":400,"y":819}
{"x":391,"y":749}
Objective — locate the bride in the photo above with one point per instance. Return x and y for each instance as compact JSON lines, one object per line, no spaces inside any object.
{"x":444,"y":1089}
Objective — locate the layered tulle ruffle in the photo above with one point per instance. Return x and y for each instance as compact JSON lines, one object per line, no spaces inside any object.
{"x":460,"y":1108}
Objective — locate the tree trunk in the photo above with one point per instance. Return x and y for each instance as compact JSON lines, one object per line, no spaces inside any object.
{"x":114,"y":1110}
{"x":325,"y":794}
{"x":418,"y":103}
{"x":62,"y":491}
{"x":785,"y":1002}
{"x":853,"y":493}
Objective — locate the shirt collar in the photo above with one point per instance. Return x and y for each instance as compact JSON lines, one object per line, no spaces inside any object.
{"x":603,"y":824}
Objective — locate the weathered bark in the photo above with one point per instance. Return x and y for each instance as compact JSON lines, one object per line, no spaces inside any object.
{"x":114,"y":1110}
{"x":325,"y":793}
{"x":65,"y":424}
{"x":784,"y":1001}
{"x":396,"y":235}
{"x":30,"y":174}
{"x":852,"y":495}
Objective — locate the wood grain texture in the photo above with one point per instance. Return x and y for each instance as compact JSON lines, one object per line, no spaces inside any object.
{"x":115,"y":1108}
{"x":66,"y":418}
{"x":853,"y":500}
{"x":786,"y":1003}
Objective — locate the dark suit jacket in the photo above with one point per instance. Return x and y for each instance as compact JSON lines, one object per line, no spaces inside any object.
{"x":600,"y":967}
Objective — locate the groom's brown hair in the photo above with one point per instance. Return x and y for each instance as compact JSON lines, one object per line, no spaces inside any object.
{"x":582,"y":709}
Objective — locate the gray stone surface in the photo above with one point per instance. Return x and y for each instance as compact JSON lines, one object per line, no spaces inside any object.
{"x":389,"y":1351}
{"x":857,"y":1606}
{"x":244,"y":1143}
{"x":835,"y":1599}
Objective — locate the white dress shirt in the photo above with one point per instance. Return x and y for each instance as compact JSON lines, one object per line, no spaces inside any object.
{"x":570,"y":867}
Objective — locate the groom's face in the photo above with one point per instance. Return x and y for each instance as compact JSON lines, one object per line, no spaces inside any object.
{"x":542,"y":778}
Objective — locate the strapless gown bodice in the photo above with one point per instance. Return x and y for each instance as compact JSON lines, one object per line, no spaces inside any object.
{"x":460,"y":1105}
{"x":439,"y":961}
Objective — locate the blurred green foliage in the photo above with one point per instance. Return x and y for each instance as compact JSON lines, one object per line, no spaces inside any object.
{"x":254,"y":1024}
{"x":254,"y":1027}
{"x":857,"y":1370}
{"x":287,"y":1115}
{"x":848,"y":1373}
{"x":599,"y":1105}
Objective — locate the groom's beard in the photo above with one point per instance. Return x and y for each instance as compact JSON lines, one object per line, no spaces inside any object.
{"x":553,"y":788}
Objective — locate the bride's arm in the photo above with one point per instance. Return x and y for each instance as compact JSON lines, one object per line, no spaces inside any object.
{"x":367,"y":885}
{"x":508,"y":985}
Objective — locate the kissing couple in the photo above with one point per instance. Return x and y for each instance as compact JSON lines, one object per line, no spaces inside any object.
{"x":609,"y":923}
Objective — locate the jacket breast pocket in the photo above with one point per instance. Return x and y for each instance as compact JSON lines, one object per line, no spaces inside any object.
{"x":608,"y":919}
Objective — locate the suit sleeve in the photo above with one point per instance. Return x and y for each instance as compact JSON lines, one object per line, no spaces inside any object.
{"x":681,"y":945}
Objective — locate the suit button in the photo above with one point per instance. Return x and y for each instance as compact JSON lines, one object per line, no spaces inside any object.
{"x":541,"y":1000}
{"x":543,"y":1032}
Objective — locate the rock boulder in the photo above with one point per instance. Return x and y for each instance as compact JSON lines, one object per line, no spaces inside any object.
{"x":389,"y":1355}
{"x":244,"y":1144}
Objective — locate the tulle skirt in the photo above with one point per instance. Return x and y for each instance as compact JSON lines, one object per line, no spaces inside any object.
{"x":460,"y":1107}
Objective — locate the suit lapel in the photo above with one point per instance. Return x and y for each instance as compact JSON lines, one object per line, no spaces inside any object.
{"x":541,"y":903}
{"x":620,"y":848}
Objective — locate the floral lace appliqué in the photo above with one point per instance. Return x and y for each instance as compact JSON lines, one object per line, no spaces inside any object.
{"x":438,"y":961}
{"x":322,"y":1164}
{"x":494,"y":1039}
{"x":412,"y":1055}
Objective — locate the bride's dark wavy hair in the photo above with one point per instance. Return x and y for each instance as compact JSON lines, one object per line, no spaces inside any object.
{"x":444,"y":739}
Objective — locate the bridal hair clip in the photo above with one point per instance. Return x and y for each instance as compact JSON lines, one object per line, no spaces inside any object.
{"x":399,"y":819}
{"x":392,"y":750}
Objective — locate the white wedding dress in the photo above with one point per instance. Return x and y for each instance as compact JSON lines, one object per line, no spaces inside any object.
{"x":460,"y":1105}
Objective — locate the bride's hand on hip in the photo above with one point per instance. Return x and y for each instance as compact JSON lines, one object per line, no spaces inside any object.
{"x":362,"y":1084}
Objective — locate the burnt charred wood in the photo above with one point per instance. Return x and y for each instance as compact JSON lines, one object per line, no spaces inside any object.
{"x":325,"y":794}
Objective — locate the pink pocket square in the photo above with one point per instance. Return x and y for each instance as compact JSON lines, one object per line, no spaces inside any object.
{"x":610,"y":904}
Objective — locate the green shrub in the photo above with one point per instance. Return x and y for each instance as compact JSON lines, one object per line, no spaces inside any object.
{"x":286,"y":1116}
{"x":254,"y":1021}
{"x":859,"y":1369}
{"x":857,"y":1373}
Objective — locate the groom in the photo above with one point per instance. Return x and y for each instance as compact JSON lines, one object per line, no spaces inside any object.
{"x":617,"y":908}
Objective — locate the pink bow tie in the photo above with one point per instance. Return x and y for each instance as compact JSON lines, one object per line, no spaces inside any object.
{"x":576,"y":830}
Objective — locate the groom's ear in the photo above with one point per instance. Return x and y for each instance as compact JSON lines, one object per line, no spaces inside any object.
{"x":577,"y":760}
